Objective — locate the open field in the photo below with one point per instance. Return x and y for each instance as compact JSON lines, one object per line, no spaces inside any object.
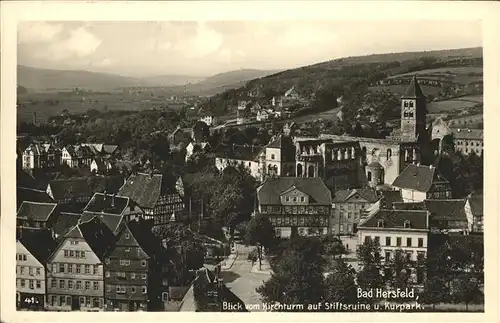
{"x":472,"y":98}
{"x":449,"y":105}
{"x":399,"y":89}
{"x":50,"y":104}
{"x":458,"y":75}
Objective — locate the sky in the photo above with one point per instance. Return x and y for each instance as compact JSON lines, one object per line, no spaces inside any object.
{"x":203,"y":48}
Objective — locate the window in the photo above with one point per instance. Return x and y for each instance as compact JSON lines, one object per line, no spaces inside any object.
{"x":24,"y":257}
{"x":31,"y":284}
{"x":82,"y":254}
{"x":70,"y":268}
{"x":108,"y":274}
{"x":71,"y":253}
{"x":144,"y":276}
{"x":66,"y":253}
{"x":144,"y":290}
{"x":380,"y":223}
{"x":341,"y":228}
{"x":408,"y":242}
{"x":62,"y":284}
{"x":295,"y":199}
{"x":87,"y":269}
{"x":70,"y":284}
{"x":96,"y":269}
{"x":369,"y":176}
{"x":143,"y":263}
{"x":420,"y":242}
{"x":122,"y":262}
{"x":22,"y":270}
{"x":398,"y":241}
{"x":387,"y":241}
{"x":53,"y":283}
{"x":63,"y":300}
{"x":407,"y":224}
{"x":164,"y":297}
{"x":78,"y":284}
{"x":95,"y":302}
{"x":78,"y":269}
{"x":127,"y":262}
{"x":96,"y":285}
{"x":38,"y":284}
{"x":127,"y":236}
{"x":30,"y":271}
{"x":387,"y":256}
{"x":367,"y":239}
{"x":82,"y":301}
{"x":133,"y":289}
{"x":61,"y":268}
{"x":107,"y":261}
{"x":127,"y":249}
{"x":87,"y":285}
{"x":408,"y":255}
{"x":272,"y":156}
{"x":349,"y":228}
{"x":108,"y":288}
{"x":302,"y":199}
{"x":23,"y":283}
{"x":377,"y":240}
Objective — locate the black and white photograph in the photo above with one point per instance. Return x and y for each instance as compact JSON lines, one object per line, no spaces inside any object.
{"x":231,"y":165}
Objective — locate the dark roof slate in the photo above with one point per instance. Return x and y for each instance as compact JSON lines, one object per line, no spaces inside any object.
{"x":106,"y":203}
{"x":417,"y":177}
{"x":269,"y":192}
{"x":414,"y":90}
{"x":36,"y":211}
{"x":145,"y":189}
{"x":32,"y":195}
{"x":395,"y":219}
{"x":368,"y":194}
{"x":446,"y":209}
{"x":39,"y":243}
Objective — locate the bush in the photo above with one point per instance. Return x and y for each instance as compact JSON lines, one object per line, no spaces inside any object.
{"x":253,"y":256}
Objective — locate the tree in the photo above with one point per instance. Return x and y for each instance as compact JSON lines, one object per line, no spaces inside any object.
{"x":297,"y":276}
{"x":435,"y":291}
{"x":400,"y":271}
{"x":260,"y":232}
{"x":333,"y":246}
{"x":369,"y":277}
{"x":466,"y":289}
{"x":340,"y":284}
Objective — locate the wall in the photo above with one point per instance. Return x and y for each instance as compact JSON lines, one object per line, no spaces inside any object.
{"x":394,"y":234}
{"x":391,"y":165}
{"x":34,"y":264}
{"x":412,"y":196}
{"x":253,"y":166}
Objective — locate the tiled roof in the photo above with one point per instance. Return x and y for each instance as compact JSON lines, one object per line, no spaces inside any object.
{"x":240,"y":152}
{"x":39,"y":243}
{"x":109,"y":149}
{"x":395,"y":219}
{"x":70,"y":188}
{"x":105,"y":183}
{"x":269,"y":192}
{"x":24,"y":179}
{"x":32,"y":195}
{"x":110,"y":204}
{"x":112,"y":221}
{"x":476,"y":203}
{"x":36,"y":211}
{"x":408,"y":206}
{"x":446,"y":209}
{"x":98,"y":236}
{"x":471,"y":134}
{"x":368,"y":194}
{"x":417,"y":177}
{"x":145,"y":189}
{"x":141,"y":230}
{"x":65,"y":222}
{"x":390,"y":196}
{"x":414,"y":90}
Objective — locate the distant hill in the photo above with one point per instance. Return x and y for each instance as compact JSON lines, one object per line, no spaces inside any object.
{"x":326,"y":81}
{"x":238,"y":76}
{"x":44,"y":79}
{"x":171,"y":80}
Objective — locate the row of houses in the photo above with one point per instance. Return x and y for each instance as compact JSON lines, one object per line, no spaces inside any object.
{"x":86,"y":244}
{"x":97,"y":157}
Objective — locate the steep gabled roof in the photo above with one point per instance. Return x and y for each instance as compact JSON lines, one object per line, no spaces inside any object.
{"x":112,"y":221}
{"x":370,"y":195}
{"x":32,"y":195}
{"x":39,"y":243}
{"x":65,"y":222}
{"x":145,"y":189}
{"x":414,"y":91}
{"x":105,"y":203}
{"x":270,"y":191}
{"x":141,"y":230}
{"x":36,"y":211}
{"x":395,"y":219}
{"x":70,"y":188}
{"x":453,"y":209}
{"x":417,"y":177}
{"x":98,"y":236}
{"x":476,"y":203}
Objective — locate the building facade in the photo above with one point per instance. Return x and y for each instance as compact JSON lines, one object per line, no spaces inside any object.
{"x":295,"y":205}
{"x":418,"y":183}
{"x":468,"y":141}
{"x":75,"y":271}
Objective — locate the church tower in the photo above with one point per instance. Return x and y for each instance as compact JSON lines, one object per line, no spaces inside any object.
{"x":413,"y":112}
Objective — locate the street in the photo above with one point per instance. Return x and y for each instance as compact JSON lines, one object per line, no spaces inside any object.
{"x":241,"y":281}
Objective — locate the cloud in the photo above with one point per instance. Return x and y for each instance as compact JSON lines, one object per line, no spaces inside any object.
{"x":80,"y":43}
{"x":36,"y":32}
{"x":204,"y":42}
{"x":105,"y":62}
{"x":301,"y":36}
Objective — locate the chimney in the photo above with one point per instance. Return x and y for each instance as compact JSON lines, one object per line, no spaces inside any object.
{"x":113,"y":200}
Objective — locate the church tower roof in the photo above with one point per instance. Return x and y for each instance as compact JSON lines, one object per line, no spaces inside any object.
{"x":414,"y":90}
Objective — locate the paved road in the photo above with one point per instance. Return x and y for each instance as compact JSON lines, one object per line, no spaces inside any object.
{"x":241,"y":281}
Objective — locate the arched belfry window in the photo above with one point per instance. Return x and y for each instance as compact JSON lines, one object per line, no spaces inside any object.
{"x":299,"y":170}
{"x":406,"y":104}
{"x":411,"y":104}
{"x":369,"y":176}
{"x":389,"y":154}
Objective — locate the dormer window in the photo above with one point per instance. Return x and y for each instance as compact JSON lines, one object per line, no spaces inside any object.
{"x":407,"y":224}
{"x":287,"y":199}
{"x":380,"y":223}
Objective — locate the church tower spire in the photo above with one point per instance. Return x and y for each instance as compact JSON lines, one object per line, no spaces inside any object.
{"x":413,"y":112}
